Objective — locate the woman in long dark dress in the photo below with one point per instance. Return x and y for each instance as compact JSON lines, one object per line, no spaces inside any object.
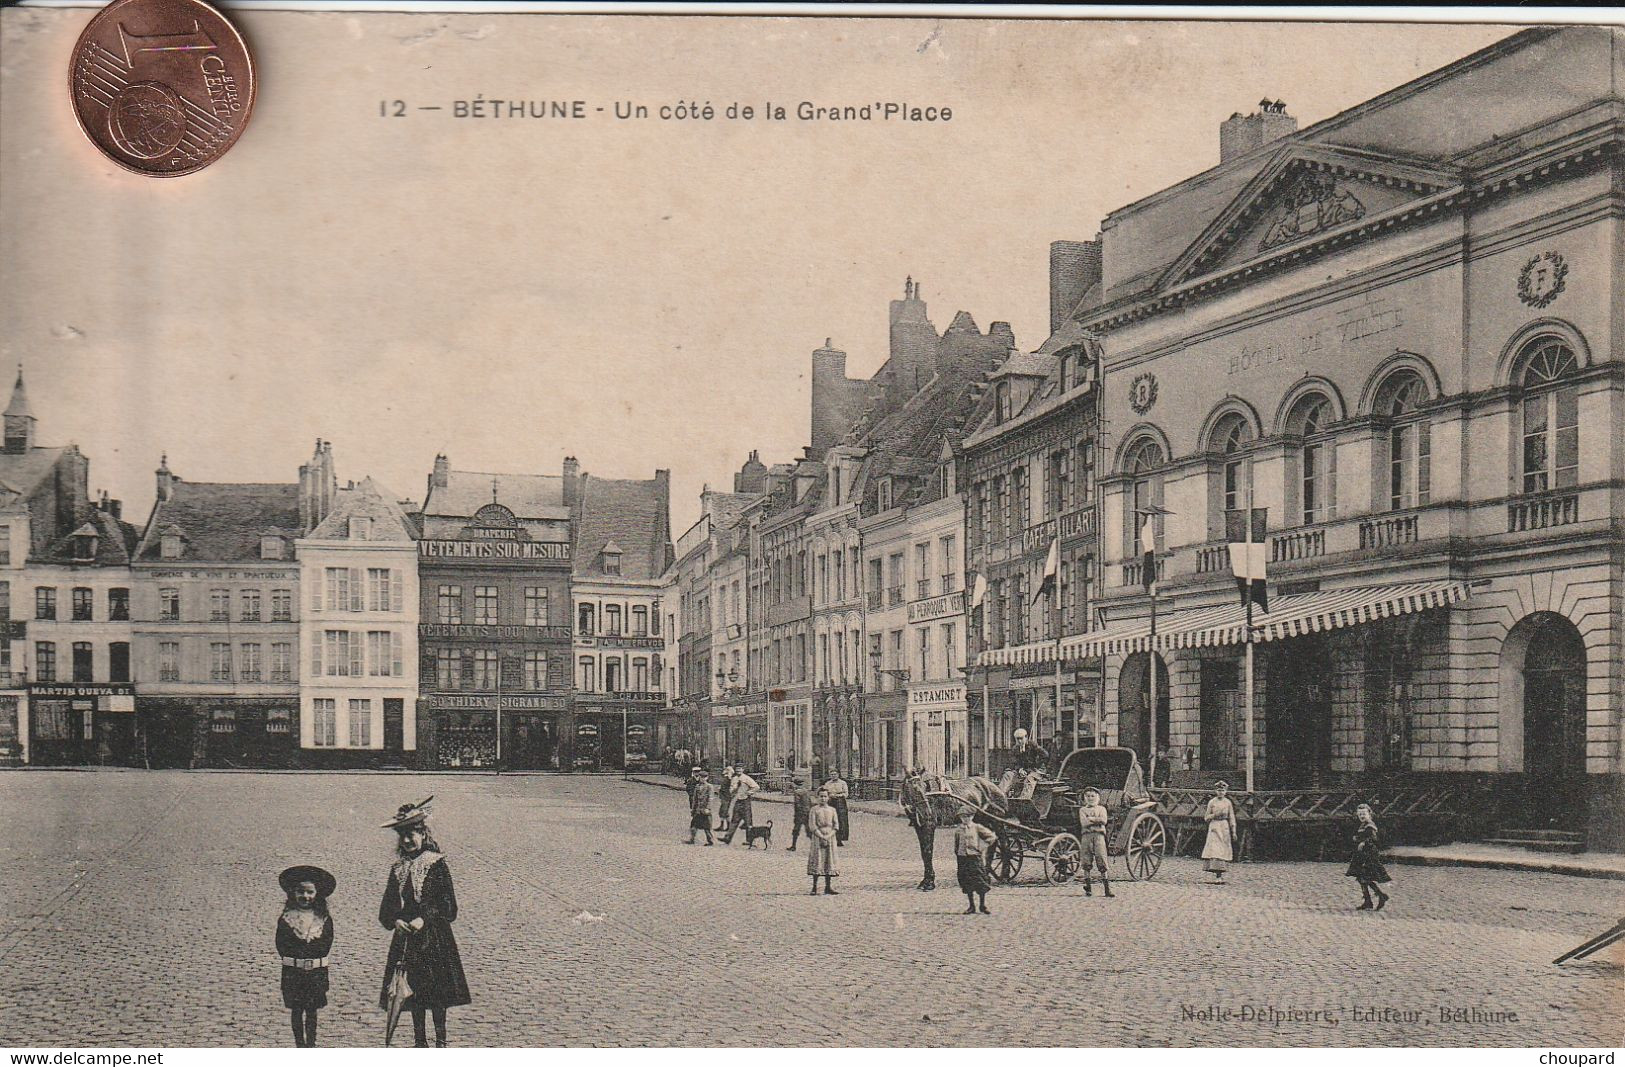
{"x":420,"y":905}
{"x":1365,"y":866}
{"x":304,"y":937}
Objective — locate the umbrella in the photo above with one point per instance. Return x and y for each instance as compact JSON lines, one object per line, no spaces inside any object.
{"x":399,"y":990}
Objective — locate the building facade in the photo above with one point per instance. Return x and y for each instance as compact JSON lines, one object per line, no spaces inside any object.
{"x":622,"y":547}
{"x":1400,"y":337}
{"x":358,"y":631}
{"x":216,"y":621}
{"x":494,"y":635}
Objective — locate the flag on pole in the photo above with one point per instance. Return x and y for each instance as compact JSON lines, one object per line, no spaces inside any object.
{"x":1148,"y":551}
{"x":1052,"y":570}
{"x":978,"y":592}
{"x":1246,"y":534}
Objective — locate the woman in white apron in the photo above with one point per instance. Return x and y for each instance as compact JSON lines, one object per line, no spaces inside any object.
{"x":1220,"y":848}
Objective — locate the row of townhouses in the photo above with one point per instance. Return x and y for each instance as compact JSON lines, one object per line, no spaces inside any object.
{"x":1385,"y":348}
{"x":509,"y":618}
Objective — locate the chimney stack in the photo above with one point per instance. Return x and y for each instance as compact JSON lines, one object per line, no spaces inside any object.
{"x":1240,"y":134}
{"x":572,"y":482}
{"x":1074,"y":268}
{"x":166,"y":480}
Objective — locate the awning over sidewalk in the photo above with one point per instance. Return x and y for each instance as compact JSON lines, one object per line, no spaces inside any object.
{"x":1289,"y":616}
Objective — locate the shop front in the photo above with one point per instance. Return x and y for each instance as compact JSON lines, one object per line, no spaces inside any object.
{"x":217,"y":731}
{"x":77,"y":725}
{"x":938,"y":729}
{"x":740,"y":735}
{"x":790,"y":737}
{"x":616,"y":731}
{"x":458,"y":731}
{"x":13,"y":729}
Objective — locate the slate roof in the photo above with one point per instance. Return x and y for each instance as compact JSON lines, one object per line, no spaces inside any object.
{"x":907,"y":443}
{"x":367,"y":498}
{"x":528,"y":496}
{"x":629,"y":514}
{"x":222,"y":522}
{"x":115,"y":542}
{"x":22,"y":472}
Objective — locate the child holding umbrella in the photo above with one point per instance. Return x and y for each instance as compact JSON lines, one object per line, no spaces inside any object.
{"x":424,"y":972}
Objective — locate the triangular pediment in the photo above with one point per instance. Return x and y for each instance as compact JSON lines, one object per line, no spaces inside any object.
{"x":1304,"y":193}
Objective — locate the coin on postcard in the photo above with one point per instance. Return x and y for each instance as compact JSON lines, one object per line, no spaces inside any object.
{"x":162,"y":87}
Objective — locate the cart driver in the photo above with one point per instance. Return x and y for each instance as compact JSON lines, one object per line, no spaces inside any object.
{"x":1030,"y":760}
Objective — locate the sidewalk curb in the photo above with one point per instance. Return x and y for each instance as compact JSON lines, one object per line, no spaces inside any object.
{"x":1573,"y":870}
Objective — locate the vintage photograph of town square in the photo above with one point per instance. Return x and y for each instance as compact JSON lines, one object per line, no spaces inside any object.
{"x":594,"y":530}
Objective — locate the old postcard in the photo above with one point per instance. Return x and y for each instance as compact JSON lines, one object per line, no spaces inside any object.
{"x":505,"y":515}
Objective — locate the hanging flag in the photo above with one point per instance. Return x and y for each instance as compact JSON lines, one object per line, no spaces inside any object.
{"x":978,"y":592}
{"x":1148,"y":543}
{"x":1052,"y":569}
{"x":1248,"y":553}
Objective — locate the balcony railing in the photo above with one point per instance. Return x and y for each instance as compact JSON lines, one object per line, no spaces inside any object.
{"x":876,"y":599}
{"x":1296,"y":545}
{"x":894,"y":596}
{"x":1213,"y":559}
{"x":1134,"y":572}
{"x":950,"y":582}
{"x":1390,"y":531}
{"x":1538,"y":513}
{"x":922,"y":589}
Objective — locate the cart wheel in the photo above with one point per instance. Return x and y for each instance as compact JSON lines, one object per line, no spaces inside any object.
{"x":1062,"y":858}
{"x":1147,"y":840}
{"x":1006,"y":859}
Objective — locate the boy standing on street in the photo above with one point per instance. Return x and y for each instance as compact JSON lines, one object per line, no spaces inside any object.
{"x":1092,"y":836}
{"x":699,"y":808}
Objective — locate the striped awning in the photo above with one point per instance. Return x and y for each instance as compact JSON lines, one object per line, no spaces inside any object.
{"x":1289,"y":616}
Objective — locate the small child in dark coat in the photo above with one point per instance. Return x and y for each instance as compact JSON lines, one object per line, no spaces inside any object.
{"x":304,"y":937}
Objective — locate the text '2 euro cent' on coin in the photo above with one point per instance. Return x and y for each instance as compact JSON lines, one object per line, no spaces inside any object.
{"x":162,"y":87}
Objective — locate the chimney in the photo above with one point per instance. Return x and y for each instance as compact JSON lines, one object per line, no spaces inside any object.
{"x":752,"y":476}
{"x":1074,"y":268}
{"x":166,"y":480}
{"x":572,"y":482}
{"x":830,"y":394}
{"x":1240,"y":134}
{"x":663,"y":488}
{"x":913,"y":344}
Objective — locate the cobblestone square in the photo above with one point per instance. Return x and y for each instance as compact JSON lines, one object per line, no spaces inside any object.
{"x":139,"y":910}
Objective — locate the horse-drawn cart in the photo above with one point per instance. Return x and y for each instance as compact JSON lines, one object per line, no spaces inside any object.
{"x":1041,"y":821}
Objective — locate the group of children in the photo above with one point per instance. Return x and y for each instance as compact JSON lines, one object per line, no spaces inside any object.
{"x":423,"y":974}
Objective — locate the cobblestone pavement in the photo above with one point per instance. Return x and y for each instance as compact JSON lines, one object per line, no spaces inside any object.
{"x":138,"y":909}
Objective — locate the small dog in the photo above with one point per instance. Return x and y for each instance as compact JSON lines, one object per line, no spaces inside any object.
{"x":763,"y":833}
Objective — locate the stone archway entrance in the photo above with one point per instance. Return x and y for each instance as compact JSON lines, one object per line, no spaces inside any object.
{"x":1548,"y":655}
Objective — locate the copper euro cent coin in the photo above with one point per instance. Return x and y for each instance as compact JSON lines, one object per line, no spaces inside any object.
{"x":162,"y":87}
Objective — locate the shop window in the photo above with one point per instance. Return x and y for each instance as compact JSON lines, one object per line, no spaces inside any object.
{"x":278,"y":721}
{"x":223,"y":720}
{"x":1550,"y":416}
{"x":52,"y":720}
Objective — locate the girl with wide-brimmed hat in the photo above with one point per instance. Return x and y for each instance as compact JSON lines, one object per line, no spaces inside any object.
{"x":420,"y":905}
{"x":304,"y":937}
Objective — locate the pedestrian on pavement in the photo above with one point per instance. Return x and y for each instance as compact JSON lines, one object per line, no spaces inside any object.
{"x":304,"y":936}
{"x":971,"y":843}
{"x":838,"y":792}
{"x":921,"y":816}
{"x":693,"y":780}
{"x":739,"y":807}
{"x":699,"y":807}
{"x":1163,"y":769}
{"x":1220,"y":847}
{"x":801,"y":807}
{"x":822,"y":828}
{"x":1365,"y":866}
{"x":725,"y":794}
{"x":420,"y":905}
{"x":1092,"y":836}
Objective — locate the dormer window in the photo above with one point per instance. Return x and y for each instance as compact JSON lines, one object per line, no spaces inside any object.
{"x":84,"y":548}
{"x":885,"y":491}
{"x":1001,"y":402}
{"x":171,"y":545}
{"x":360,"y":528}
{"x":1067,"y":372}
{"x":271,"y":548}
{"x":612,"y":563}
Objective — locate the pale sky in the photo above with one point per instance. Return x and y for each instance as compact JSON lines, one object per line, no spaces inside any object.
{"x":640,"y":294}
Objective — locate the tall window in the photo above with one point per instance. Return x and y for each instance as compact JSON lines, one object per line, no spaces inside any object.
{"x":44,"y":661}
{"x":248,"y":663}
{"x":950,"y":563}
{"x":448,"y":668}
{"x":586,"y":677}
{"x":219,"y":661}
{"x":535,"y":670}
{"x":84,"y":667}
{"x":360,"y":723}
{"x":169,"y":661}
{"x":84,"y":604}
{"x":640,"y":675}
{"x":1021,"y":494}
{"x":612,"y":675}
{"x":281,"y":661}
{"x":640,"y":617}
{"x":922,"y":570}
{"x":1144,"y":461}
{"x":343,"y":654}
{"x":923,"y":653}
{"x":485,"y":605}
{"x":118,"y":661}
{"x":535,"y":605}
{"x":384,"y":654}
{"x":1400,"y":401}
{"x":342,"y":594}
{"x":383,"y":591}
{"x":1310,"y":419}
{"x":1551,"y":416}
{"x":248,"y":605}
{"x":324,"y":722}
{"x":612,"y":619}
{"x":169,"y":605}
{"x":219,"y":605}
{"x":449,"y":605}
{"x":485,"y":668}
{"x":282,"y":605}
{"x":45,"y":602}
{"x":1230,"y":438}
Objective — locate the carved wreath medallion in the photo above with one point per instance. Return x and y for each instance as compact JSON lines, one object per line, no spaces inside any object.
{"x":1542,"y":279}
{"x":1142,"y":392}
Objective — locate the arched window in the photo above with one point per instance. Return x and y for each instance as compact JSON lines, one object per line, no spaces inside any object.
{"x":1551,"y":416}
{"x":1400,"y":401}
{"x":1310,"y":419}
{"x":1143,"y":464}
{"x":1230,"y":438}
